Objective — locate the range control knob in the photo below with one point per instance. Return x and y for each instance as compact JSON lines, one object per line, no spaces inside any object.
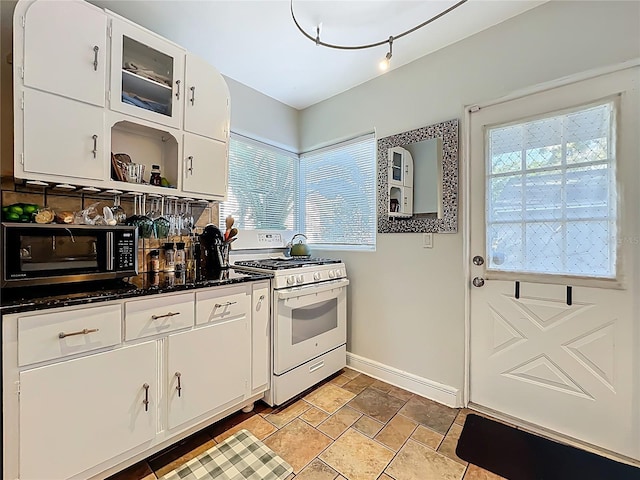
{"x":332,"y":274}
{"x":300,"y":279}
{"x":317,"y":276}
{"x":291,"y":279}
{"x":339,"y":273}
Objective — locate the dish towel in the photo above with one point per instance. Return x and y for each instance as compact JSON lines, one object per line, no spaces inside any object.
{"x":240,"y":457}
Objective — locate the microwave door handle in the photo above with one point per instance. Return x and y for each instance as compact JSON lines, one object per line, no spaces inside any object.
{"x":110,"y":251}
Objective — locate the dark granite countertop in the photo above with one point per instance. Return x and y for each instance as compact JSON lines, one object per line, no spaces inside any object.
{"x":24,"y":299}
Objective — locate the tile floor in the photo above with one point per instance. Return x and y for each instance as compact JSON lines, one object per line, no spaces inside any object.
{"x":351,"y":426}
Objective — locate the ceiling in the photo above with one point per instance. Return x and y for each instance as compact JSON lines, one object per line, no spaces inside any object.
{"x":255,"y":42}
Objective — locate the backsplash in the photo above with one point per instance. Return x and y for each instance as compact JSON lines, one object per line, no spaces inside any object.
{"x":75,"y":201}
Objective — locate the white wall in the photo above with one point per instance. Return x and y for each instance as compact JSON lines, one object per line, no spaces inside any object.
{"x":406,"y":302}
{"x":260,"y":117}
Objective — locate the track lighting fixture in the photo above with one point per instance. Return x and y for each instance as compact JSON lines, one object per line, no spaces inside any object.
{"x":386,"y":62}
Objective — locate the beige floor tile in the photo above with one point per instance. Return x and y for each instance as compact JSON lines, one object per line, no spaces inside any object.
{"x":384,"y":476}
{"x":281,"y":417}
{"x":434,"y":415}
{"x":340,"y":380}
{"x":377,"y":404}
{"x":329,"y":398}
{"x":427,"y":437}
{"x":314,"y":416}
{"x":336,"y":424}
{"x":291,"y":477}
{"x":396,"y":432}
{"x":380,"y":385}
{"x":349,"y":372}
{"x":317,"y":470}
{"x":476,"y":473}
{"x":257,"y":425}
{"x":262,"y":408}
{"x":418,"y":462}
{"x":356,"y":456}
{"x":139,"y":471}
{"x":400,"y":393}
{"x":462,"y":415}
{"x":450,"y":442}
{"x":181,"y":453}
{"x":297,"y":443}
{"x":359,"y":383}
{"x":368,"y":426}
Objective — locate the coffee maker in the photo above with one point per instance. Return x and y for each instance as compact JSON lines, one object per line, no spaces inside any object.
{"x":214,"y":252}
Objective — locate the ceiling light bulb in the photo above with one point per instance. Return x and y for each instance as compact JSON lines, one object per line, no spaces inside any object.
{"x":384,"y":65}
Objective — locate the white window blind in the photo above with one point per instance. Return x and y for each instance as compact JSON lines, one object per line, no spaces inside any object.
{"x":263,"y":186}
{"x":551,"y":194}
{"x":337,"y":190}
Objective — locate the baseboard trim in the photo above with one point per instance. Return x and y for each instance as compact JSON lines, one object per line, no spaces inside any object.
{"x":438,"y":392}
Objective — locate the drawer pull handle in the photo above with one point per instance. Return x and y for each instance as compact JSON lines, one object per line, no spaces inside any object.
{"x":179,"y":387}
{"x":178,"y":89}
{"x":84,"y":331}
{"x":170,"y":314}
{"x":317,"y":366}
{"x":219,"y":305}
{"x":96,"y":49}
{"x":146,"y":397}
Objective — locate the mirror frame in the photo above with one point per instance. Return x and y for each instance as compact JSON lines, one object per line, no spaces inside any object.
{"x":448,"y":132}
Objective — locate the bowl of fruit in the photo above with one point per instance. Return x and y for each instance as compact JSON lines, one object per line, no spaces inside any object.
{"x":27,"y":212}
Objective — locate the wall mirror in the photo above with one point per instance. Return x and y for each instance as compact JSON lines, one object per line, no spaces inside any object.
{"x":418,"y":180}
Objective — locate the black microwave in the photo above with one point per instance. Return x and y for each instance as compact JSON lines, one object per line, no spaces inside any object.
{"x":42,"y":254}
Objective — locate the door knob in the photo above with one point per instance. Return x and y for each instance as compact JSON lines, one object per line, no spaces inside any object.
{"x":478,"y":281}
{"x":478,"y":260}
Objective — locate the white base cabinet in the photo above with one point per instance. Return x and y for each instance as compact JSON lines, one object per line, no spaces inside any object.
{"x":86,"y":413}
{"x":82,"y":412}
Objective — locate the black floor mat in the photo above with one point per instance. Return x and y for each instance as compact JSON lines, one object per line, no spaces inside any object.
{"x":519,"y":455}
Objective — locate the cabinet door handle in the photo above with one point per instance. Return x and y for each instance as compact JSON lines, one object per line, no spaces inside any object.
{"x":84,"y":331}
{"x":179,"y":387}
{"x":170,"y":314}
{"x":178,"y":89}
{"x":146,"y":397}
{"x":96,"y":49}
{"x":95,"y":146}
{"x":193,"y":95}
{"x":190,"y":169}
{"x":219,"y":305}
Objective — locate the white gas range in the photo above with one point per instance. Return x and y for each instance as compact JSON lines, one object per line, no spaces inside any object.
{"x":308,"y":312}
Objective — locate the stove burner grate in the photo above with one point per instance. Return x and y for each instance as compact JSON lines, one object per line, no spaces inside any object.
{"x":285,"y":263}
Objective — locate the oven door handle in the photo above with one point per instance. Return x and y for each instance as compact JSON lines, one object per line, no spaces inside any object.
{"x":315,"y":288}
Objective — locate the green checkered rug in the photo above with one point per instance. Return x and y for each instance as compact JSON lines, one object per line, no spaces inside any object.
{"x":240,"y":457}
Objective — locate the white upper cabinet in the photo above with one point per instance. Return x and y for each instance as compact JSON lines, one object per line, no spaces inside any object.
{"x":147,"y":74}
{"x":70,"y":146}
{"x":204,"y":166}
{"x":65,"y":49}
{"x":206,"y":108}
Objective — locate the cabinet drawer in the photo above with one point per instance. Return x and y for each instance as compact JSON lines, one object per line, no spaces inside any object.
{"x":157,"y":314}
{"x":47,"y":336}
{"x":222,"y":304}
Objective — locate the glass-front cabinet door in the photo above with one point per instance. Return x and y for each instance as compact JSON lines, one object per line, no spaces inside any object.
{"x":147,"y":74}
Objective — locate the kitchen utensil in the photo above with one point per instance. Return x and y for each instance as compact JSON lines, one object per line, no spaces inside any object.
{"x":300,"y":249}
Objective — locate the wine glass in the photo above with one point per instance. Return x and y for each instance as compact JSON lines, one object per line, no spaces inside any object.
{"x":145,"y":225}
{"x":119,"y":215}
{"x":161,"y":225}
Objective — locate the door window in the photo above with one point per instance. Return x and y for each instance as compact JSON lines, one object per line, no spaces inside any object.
{"x":551,"y":194}
{"x":311,"y":321}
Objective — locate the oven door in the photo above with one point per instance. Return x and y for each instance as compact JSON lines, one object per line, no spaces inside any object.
{"x":308,"y":321}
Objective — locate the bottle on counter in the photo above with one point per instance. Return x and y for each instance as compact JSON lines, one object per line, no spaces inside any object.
{"x":181,"y":257}
{"x":169,"y":258}
{"x":156,"y":178}
{"x":154,"y":261}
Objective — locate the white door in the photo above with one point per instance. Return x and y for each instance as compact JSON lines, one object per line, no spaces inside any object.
{"x":206,"y":106}
{"x":65,"y":50}
{"x":77,"y":414}
{"x":69,"y":145}
{"x":208,"y":369}
{"x":204,"y":166}
{"x":562,"y":359}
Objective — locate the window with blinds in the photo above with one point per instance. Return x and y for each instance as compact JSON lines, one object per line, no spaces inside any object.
{"x":337,"y":192}
{"x":551,"y":194}
{"x":263,"y":186}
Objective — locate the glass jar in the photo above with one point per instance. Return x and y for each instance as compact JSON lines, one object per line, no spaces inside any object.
{"x":169,"y":258}
{"x":155,"y":179}
{"x":181,"y":257}
{"x":154,"y":261}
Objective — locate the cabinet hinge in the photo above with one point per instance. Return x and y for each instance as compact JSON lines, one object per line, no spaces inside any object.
{"x":22,"y":22}
{"x":22,"y":101}
{"x":22,"y":159}
{"x":474,"y":108}
{"x":110,"y":29}
{"x":21,"y":69}
{"x":18,"y":388}
{"x":109,"y":96}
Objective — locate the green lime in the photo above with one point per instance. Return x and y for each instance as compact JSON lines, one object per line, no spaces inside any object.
{"x":25,"y":218}
{"x":30,"y":208}
{"x":5,"y":209}
{"x":164,"y":182}
{"x":12,"y":217}
{"x":16,"y":208}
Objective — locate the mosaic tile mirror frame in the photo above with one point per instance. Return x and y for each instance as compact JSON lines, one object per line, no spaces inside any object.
{"x":448,"y":221}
